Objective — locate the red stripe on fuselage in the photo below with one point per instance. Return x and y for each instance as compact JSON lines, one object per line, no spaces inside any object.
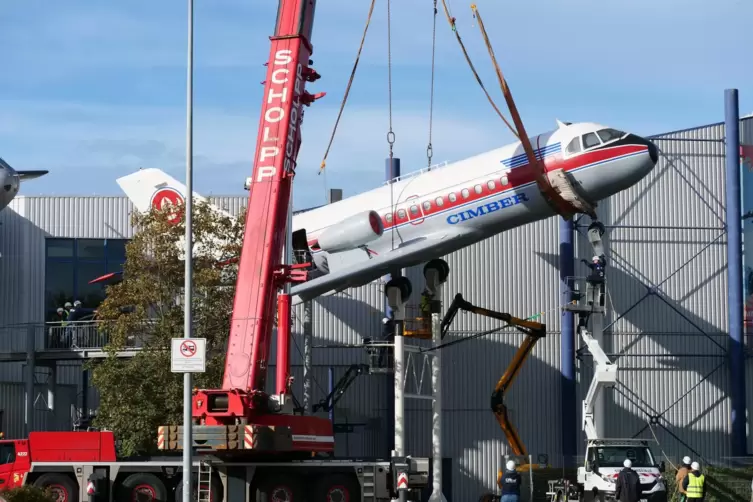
{"x":518,"y":176}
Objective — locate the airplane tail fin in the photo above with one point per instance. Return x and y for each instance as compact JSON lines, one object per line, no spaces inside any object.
{"x":147,"y":188}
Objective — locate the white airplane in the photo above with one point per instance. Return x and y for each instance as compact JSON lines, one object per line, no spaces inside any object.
{"x":10,"y":182}
{"x":417,"y":218}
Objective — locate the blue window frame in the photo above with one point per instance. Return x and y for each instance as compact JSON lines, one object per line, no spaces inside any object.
{"x":71,"y":263}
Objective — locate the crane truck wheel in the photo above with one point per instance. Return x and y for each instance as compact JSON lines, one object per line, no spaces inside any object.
{"x":142,"y":487}
{"x":337,"y":488}
{"x":277,"y":488}
{"x":61,"y":487}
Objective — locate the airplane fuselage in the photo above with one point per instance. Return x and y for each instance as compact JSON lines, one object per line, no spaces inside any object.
{"x":9,"y":184}
{"x":439,"y":210}
{"x":484,"y":195}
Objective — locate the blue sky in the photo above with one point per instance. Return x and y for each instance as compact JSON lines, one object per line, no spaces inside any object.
{"x":94,"y":90}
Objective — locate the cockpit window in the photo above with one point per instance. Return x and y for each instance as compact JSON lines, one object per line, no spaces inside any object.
{"x":610,"y":134}
{"x":573,"y":147}
{"x":590,"y":140}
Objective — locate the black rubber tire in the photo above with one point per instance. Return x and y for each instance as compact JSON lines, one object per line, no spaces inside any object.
{"x":129,"y":489}
{"x":337,"y":488}
{"x":61,"y":483}
{"x":282,"y":485}
{"x":215,"y":496}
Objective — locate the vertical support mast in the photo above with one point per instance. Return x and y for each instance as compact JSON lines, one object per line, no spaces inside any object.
{"x":260,"y":272}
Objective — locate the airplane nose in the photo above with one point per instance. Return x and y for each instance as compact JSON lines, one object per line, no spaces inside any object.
{"x":653,"y":151}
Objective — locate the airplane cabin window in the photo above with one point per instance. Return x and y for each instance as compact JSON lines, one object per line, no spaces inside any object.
{"x":465,"y":193}
{"x":490,"y":184}
{"x":610,"y":134}
{"x":388,"y":218}
{"x":414,"y":209}
{"x":573,"y":147}
{"x":427,"y":205}
{"x":590,"y":140}
{"x":504,"y":181}
{"x":452,"y":197}
{"x":439,"y":201}
{"x":478,"y":189}
{"x":401,"y":213}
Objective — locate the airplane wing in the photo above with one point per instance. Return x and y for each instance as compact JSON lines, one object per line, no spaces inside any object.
{"x":30,"y":175}
{"x":362,"y":272}
{"x":23,"y":175}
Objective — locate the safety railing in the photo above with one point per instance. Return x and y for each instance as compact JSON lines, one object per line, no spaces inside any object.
{"x":56,"y":336}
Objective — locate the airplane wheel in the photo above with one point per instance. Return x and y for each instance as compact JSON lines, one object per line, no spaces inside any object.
{"x":406,"y":288}
{"x":597,"y":225}
{"x":440,"y":266}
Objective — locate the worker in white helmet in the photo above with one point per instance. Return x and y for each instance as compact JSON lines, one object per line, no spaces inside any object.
{"x":510,"y":482}
{"x":680,"y":477}
{"x":628,"y":485}
{"x":694,"y":484}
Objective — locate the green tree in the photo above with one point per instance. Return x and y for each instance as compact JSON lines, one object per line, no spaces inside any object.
{"x":146,"y":309}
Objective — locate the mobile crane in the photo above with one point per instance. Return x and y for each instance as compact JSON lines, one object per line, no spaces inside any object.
{"x":241,"y":418}
{"x":604,"y":457}
{"x":534,"y":331}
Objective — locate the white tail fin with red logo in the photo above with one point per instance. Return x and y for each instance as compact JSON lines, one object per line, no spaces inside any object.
{"x":147,"y":188}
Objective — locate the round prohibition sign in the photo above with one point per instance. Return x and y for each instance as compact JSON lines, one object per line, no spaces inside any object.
{"x":188,"y":348}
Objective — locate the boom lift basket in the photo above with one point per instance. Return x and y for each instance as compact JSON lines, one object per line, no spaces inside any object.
{"x":381,"y":357}
{"x":417,"y":323}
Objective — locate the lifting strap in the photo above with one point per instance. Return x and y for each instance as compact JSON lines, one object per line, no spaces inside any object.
{"x":557,"y":190}
{"x":347,"y":89}
{"x":451,"y":20}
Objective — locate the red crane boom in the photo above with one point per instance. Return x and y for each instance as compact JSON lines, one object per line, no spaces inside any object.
{"x":268,"y":424}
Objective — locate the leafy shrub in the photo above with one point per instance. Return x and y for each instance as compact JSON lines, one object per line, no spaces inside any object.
{"x":26,"y":493}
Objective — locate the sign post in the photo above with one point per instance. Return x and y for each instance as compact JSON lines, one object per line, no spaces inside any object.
{"x":188,"y":285}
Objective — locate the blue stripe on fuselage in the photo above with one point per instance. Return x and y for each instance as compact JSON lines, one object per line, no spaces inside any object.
{"x":522,"y":159}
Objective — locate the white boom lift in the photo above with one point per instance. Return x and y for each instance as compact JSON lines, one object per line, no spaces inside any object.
{"x":596,"y":478}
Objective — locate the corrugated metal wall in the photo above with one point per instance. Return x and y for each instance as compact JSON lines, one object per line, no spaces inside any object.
{"x":12,"y":399}
{"x":666,"y":363}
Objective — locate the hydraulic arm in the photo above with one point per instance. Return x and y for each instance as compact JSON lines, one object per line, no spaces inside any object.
{"x":534,"y":332}
{"x":605,"y":371}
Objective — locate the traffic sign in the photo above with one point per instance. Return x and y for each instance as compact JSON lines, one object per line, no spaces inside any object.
{"x":188,"y":355}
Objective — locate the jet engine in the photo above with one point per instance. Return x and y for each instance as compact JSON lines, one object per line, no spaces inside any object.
{"x":351,"y":233}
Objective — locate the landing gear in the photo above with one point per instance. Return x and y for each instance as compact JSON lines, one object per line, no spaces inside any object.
{"x":436,"y":273}
{"x":398,"y":290}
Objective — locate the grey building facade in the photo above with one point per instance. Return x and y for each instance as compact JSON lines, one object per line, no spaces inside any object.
{"x":667,"y":327}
